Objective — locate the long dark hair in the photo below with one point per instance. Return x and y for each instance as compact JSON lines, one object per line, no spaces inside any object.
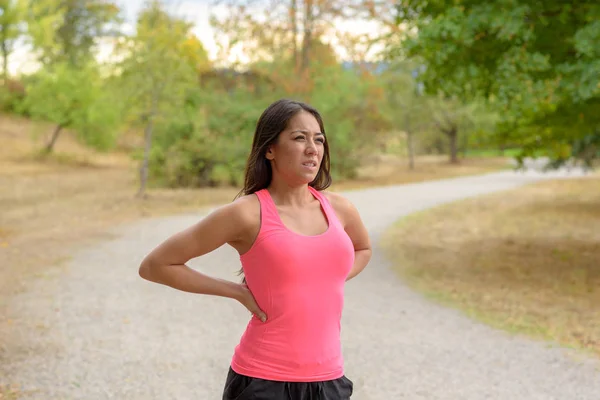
{"x":271,"y":123}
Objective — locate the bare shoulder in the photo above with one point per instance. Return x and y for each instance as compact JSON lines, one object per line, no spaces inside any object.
{"x":245,"y":210}
{"x":343,"y":207}
{"x":231,"y":223}
{"x":236,"y":217}
{"x":350,"y":218}
{"x":337,"y":200}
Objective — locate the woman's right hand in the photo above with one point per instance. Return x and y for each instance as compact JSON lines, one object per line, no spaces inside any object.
{"x":247,"y":299}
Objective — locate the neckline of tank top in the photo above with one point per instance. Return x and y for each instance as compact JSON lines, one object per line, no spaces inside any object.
{"x":322,"y":208}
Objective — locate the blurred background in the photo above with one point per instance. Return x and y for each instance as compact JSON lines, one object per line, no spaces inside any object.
{"x":177,"y":86}
{"x":115,"y":110}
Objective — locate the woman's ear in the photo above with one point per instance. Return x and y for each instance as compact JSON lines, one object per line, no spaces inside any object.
{"x":270,"y":155}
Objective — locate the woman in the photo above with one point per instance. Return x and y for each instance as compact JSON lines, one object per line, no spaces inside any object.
{"x":298,"y":246}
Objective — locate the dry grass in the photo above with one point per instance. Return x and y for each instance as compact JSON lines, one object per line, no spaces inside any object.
{"x":524,"y":260}
{"x":9,"y":392}
{"x":49,"y":206}
{"x":389,"y":170}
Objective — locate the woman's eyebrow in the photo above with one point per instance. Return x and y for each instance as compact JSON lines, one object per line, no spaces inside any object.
{"x":305,"y":132}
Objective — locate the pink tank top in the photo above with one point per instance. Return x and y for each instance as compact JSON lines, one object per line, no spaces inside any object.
{"x":298,"y":281}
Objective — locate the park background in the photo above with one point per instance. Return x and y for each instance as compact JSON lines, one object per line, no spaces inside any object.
{"x":116,"y":111}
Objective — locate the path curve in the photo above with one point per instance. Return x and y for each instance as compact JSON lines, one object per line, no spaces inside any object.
{"x":101,"y":332}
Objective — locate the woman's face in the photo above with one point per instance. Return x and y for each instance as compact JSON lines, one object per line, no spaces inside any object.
{"x":298,"y":151}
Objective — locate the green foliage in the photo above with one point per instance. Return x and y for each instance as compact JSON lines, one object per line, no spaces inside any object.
{"x":159,"y":82}
{"x":198,"y":121}
{"x":427,"y":117}
{"x":12,"y":94}
{"x":11,"y":16}
{"x":74,"y":98}
{"x":154,"y":75}
{"x":207,"y":142}
{"x":291,"y":51}
{"x":588,"y":148}
{"x":407,"y":108}
{"x":537,"y":63}
{"x":352,"y":105}
{"x":100,"y":122}
{"x":68,"y":30}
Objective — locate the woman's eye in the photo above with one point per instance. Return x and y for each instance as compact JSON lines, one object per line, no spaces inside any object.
{"x":320,"y":140}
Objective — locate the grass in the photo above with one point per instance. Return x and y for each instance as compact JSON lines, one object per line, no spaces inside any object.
{"x":51,"y":205}
{"x":525,"y":260}
{"x":9,"y":393}
{"x":492,"y":153}
{"x":383,"y":170}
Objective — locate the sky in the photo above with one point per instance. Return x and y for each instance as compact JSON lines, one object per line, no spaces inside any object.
{"x":198,"y":12}
{"x":195,"y":11}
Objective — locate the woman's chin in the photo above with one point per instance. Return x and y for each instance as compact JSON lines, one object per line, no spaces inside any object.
{"x":305,"y":179}
{"x":310,"y":177}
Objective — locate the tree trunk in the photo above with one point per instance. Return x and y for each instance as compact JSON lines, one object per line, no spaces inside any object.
{"x":4,"y":62}
{"x":148,"y":147}
{"x":411,"y":151}
{"x":50,"y":145}
{"x":410,"y":143}
{"x":308,"y":32}
{"x":453,"y":136}
{"x":465,"y":144}
{"x":294,"y":23}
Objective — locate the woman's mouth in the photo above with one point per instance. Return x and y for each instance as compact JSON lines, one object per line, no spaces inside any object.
{"x":312,"y":165}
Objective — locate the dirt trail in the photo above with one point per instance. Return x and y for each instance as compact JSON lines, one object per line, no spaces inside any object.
{"x":95,"y":330}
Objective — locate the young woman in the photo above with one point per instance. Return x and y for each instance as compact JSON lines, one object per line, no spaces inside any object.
{"x":298,"y":245}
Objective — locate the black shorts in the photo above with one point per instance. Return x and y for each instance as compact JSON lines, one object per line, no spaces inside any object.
{"x":242,"y":387}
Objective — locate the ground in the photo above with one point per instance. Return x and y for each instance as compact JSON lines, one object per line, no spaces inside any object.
{"x":525,"y":260}
{"x":94,"y":330}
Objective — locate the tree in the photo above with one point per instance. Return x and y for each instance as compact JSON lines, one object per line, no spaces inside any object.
{"x":352,"y":103}
{"x":292,"y":27}
{"x":11,"y":18}
{"x":536,"y":63}
{"x":293,"y":30}
{"x":409,"y":108}
{"x":292,"y":43}
{"x":70,"y":30}
{"x":452,"y":118}
{"x":195,"y":54}
{"x":157,"y":73}
{"x":278,"y":32}
{"x":73,"y":98}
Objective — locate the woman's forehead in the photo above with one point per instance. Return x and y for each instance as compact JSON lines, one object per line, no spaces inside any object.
{"x":304,"y":121}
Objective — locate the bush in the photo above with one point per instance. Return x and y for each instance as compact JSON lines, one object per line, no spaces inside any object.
{"x":207,"y":143}
{"x":11,"y":97}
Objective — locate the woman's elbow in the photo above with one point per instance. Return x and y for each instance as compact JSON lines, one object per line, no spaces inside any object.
{"x":145,"y":270}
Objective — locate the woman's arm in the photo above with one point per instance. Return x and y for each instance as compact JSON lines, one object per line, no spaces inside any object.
{"x":356,"y":230}
{"x":360,"y":238}
{"x":166,"y":263}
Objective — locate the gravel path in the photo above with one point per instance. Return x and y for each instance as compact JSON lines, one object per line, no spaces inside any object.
{"x":98,"y":331}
